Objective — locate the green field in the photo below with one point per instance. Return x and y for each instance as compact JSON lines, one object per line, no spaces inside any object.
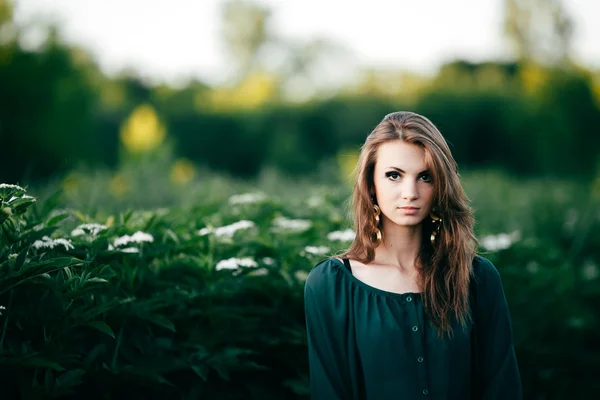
{"x":160,"y":290}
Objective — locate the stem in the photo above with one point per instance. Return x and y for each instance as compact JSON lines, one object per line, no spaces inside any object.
{"x":114,"y":359}
{"x":6,"y":321}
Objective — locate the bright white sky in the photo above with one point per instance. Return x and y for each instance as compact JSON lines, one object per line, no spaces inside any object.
{"x":171,"y":39}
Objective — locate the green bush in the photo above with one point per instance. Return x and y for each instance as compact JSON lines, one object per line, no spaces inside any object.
{"x":206,"y":301}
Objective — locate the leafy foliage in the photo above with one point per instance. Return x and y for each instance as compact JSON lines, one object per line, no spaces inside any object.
{"x":192,"y":303}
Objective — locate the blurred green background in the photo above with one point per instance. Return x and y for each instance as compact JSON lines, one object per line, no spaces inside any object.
{"x":99,"y":147}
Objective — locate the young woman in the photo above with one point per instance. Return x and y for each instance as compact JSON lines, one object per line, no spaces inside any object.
{"x":409,"y":311}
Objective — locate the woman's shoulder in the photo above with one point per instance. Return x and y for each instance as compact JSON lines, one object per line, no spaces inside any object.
{"x":488,"y":282}
{"x":324,"y":273}
{"x":484,"y":269}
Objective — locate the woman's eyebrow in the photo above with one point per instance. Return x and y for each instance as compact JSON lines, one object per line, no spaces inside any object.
{"x":401,"y":171}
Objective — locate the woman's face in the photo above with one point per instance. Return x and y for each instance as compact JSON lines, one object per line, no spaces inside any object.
{"x":403,"y":185}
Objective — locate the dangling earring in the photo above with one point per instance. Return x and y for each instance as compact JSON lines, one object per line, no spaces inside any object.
{"x":377,"y":234}
{"x":437,"y":221}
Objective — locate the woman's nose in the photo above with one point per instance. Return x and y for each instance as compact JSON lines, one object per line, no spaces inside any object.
{"x":410,"y":191}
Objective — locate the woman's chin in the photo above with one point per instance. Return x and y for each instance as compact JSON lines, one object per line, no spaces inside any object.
{"x":408,"y":220}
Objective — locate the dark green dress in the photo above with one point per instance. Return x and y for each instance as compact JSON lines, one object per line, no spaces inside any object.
{"x":366,"y":343}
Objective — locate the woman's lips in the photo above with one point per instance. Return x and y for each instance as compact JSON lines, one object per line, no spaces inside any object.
{"x":409,"y":210}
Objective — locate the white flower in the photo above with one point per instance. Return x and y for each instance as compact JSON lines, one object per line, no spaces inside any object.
{"x":130,"y":250}
{"x":46,"y":242}
{"x":314,"y":201}
{"x":532,"y":267}
{"x":246,"y":198}
{"x":301,"y":275}
{"x":590,"y":271}
{"x":260,"y":272}
{"x":500,"y":241}
{"x":138,"y":237}
{"x":91,"y":229}
{"x":9,"y":186}
{"x":316,"y":250}
{"x":268,"y":261}
{"x":228,"y":230}
{"x":298,"y":225}
{"x":234,"y":263}
{"x":343,"y":236}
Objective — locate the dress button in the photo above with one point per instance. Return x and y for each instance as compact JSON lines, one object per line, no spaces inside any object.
{"x":409,"y":299}
{"x":425,"y":392}
{"x":415,"y":328}
{"x":420,"y":359}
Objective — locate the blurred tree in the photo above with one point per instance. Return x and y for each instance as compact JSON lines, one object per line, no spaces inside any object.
{"x":6,"y":12}
{"x":245,"y":32}
{"x":539,"y":30}
{"x":310,"y":68}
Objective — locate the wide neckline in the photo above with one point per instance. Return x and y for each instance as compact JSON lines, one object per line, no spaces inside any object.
{"x":402,"y":296}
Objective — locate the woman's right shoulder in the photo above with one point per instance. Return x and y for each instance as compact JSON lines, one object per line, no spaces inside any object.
{"x":324,"y":273}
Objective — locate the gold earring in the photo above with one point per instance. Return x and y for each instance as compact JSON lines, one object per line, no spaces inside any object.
{"x":377,"y":234}
{"x":437,"y":221}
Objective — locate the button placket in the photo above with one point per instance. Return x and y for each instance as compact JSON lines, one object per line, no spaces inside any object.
{"x":418,"y":332}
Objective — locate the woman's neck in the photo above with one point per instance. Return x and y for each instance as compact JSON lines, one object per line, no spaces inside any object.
{"x":400,"y":247}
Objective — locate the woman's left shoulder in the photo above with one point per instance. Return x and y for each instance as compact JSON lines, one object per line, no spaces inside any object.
{"x":485,"y":271}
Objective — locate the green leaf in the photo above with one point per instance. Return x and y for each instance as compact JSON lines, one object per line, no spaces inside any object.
{"x":21,"y":258}
{"x":143,"y":373}
{"x":201,"y":371}
{"x":102,"y":327}
{"x":41,"y":362}
{"x":97,"y":280}
{"x":32,"y":236}
{"x":80,"y":216}
{"x":222,"y":371}
{"x":160,"y":321}
{"x":20,"y":205}
{"x":71,"y":377}
{"x":56,"y":219}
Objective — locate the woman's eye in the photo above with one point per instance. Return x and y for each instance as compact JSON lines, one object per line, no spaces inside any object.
{"x":393,"y":175}
{"x":426,"y":178}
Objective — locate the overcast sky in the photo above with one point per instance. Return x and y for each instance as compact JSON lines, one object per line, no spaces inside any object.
{"x":170,"y":39}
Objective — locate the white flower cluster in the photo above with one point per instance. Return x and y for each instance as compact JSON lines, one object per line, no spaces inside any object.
{"x":9,"y":186}
{"x":234,"y":263}
{"x":1,"y":309}
{"x":89,"y":229}
{"x":228,"y":230}
{"x":297,"y":225}
{"x":247,"y":198}
{"x":138,"y":237}
{"x":317,"y":250}
{"x":347,"y":235}
{"x":500,"y":241}
{"x":48,"y":243}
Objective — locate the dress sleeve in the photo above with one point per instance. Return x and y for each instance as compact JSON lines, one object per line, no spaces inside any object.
{"x":327,"y":327}
{"x":499,"y":373}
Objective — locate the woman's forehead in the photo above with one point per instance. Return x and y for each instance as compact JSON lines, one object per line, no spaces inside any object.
{"x":399,"y":154}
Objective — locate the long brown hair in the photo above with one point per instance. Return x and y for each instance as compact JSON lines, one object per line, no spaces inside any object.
{"x":445,"y":267}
